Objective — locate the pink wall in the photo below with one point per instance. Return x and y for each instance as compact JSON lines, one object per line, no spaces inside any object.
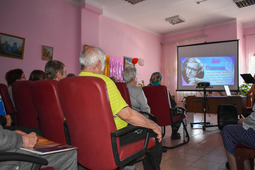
{"x":90,"y":25}
{"x":41,"y":22}
{"x":67,"y":27}
{"x":118,"y":39}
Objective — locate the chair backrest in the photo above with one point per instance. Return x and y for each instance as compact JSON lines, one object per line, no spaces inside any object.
{"x":157,"y":97}
{"x":47,"y":104}
{"x":6,"y":98}
{"x":26,"y":112}
{"x":122,"y":87}
{"x":85,"y":103}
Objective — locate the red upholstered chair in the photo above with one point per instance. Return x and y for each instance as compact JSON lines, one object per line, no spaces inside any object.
{"x":26,"y":113}
{"x":92,"y":129}
{"x":47,"y":104}
{"x":158,"y":100}
{"x":244,"y":153}
{"x":124,"y":92}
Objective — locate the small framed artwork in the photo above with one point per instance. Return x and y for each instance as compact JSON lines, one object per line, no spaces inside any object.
{"x":11,"y":46}
{"x":47,"y":53}
{"x":128,"y":62}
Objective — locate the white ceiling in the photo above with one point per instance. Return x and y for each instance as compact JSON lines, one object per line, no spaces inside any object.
{"x":150,"y":15}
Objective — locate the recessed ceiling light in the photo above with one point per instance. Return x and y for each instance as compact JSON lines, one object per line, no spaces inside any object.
{"x":175,"y":19}
{"x":133,"y":2}
{"x":244,"y":3}
{"x":198,"y":2}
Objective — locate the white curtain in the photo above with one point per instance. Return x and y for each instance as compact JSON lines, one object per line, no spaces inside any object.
{"x":250,"y":51}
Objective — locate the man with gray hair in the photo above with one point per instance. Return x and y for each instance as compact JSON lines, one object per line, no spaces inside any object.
{"x":137,"y":97}
{"x":92,"y":62}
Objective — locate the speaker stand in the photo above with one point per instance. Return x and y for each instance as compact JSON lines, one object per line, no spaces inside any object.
{"x":204,"y":100}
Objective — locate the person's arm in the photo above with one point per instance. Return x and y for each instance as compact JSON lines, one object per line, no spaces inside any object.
{"x":249,"y":122}
{"x":251,"y":90}
{"x":134,"y":118}
{"x":9,"y":140}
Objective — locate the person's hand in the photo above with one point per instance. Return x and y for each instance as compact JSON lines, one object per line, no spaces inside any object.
{"x":8,"y":120}
{"x":240,"y":121}
{"x":194,"y":80}
{"x":157,"y":130}
{"x":29,"y":140}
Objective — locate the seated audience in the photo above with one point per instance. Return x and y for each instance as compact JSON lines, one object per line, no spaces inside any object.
{"x":12,"y":140}
{"x":155,"y":79}
{"x":114,"y":79}
{"x":55,"y":70}
{"x":242,"y":133}
{"x":37,"y":75}
{"x":70,"y":75}
{"x":92,"y":62}
{"x":137,"y":97}
{"x":12,"y":76}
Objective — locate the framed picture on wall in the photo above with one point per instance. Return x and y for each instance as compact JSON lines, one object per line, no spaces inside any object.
{"x":11,"y":46}
{"x":47,"y":53}
{"x":128,"y":62}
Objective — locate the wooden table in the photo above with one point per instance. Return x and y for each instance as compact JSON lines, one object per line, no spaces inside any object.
{"x":195,"y":104}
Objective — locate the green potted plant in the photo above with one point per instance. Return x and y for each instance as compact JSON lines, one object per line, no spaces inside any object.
{"x":244,"y":88}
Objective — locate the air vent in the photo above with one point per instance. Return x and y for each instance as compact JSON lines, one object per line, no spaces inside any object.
{"x":134,"y":1}
{"x":175,"y":20}
{"x":244,"y":3}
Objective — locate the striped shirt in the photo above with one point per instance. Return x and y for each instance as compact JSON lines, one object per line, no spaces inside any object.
{"x":116,"y":101}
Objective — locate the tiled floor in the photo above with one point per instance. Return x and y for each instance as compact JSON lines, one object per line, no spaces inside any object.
{"x":204,"y":151}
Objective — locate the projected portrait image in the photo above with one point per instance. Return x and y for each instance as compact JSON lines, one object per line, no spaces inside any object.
{"x":192,"y":71}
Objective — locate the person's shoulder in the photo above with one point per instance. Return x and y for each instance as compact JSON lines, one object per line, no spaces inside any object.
{"x":135,"y":88}
{"x":104,"y":77}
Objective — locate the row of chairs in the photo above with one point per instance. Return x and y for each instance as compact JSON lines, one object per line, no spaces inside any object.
{"x":13,"y":156}
{"x":84,"y":103}
{"x":157,"y":97}
{"x":45,"y":97}
{"x":158,"y":100}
